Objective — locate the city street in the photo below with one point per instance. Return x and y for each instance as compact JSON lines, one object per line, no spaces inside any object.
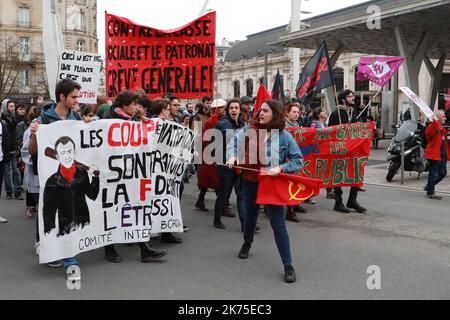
{"x":406,"y":235}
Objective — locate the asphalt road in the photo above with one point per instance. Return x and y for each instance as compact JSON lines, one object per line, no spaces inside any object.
{"x":406,"y":235}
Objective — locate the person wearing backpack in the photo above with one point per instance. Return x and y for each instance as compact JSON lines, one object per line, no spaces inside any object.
{"x":437,"y":153}
{"x":66,"y":93}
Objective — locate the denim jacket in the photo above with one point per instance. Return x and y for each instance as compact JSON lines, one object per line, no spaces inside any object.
{"x":280,"y":147}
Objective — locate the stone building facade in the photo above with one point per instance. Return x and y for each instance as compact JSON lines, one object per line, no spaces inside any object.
{"x":21,"y":36}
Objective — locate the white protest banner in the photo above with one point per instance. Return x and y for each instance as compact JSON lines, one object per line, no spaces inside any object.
{"x":419,"y":102}
{"x":84,"y":68}
{"x":108,"y":181}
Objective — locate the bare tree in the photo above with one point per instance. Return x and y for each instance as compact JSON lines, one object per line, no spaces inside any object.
{"x":9,"y":64}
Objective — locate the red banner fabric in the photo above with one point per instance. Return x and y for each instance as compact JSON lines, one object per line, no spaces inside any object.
{"x":286,"y":189}
{"x":335,"y":155}
{"x":178,"y":61}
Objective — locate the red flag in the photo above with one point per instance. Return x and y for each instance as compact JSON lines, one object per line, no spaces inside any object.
{"x":286,"y":189}
{"x":261,"y":97}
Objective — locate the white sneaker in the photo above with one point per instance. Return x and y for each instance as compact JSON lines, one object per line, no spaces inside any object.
{"x":73,"y":273}
{"x":55,"y":264}
{"x":36,"y":248}
{"x":3,"y":220}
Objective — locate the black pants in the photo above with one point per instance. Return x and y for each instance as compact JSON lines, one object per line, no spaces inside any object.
{"x":353,"y":192}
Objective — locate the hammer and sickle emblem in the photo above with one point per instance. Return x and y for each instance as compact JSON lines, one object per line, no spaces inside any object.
{"x":300,"y":188}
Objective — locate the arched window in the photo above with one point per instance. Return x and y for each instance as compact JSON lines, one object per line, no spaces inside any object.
{"x":338,"y":76}
{"x":361,"y":85}
{"x":249,"y":87}
{"x":237,"y":88}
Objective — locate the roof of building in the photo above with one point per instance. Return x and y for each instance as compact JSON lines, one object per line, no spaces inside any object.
{"x":349,"y":27}
{"x":257,"y":44}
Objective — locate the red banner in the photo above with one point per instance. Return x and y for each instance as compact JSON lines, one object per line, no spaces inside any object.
{"x":286,"y":189}
{"x":178,"y":61}
{"x":336,"y":155}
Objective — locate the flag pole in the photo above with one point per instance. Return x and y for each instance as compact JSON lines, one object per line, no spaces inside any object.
{"x":370,"y":103}
{"x":337,"y":104}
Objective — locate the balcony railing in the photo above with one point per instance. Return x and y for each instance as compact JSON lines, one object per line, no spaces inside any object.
{"x":24,"y":23}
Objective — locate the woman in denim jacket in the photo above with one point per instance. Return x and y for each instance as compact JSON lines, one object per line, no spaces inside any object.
{"x":279,"y":153}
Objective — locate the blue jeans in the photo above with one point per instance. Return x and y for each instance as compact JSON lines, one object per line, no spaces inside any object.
{"x":229,"y":179}
{"x":437,"y":172}
{"x":16,"y":179}
{"x":276,"y":217}
{"x":70,"y":262}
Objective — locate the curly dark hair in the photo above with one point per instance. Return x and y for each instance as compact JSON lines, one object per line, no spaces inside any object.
{"x":278,"y":115}
{"x":227,"y":107}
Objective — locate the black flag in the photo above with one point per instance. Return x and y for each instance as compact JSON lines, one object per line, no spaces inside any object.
{"x":278,"y":89}
{"x":315,"y":76}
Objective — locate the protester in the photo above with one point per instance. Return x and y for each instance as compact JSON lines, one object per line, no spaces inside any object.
{"x":269,"y":122}
{"x":11,"y":173}
{"x":437,"y":153}
{"x":291,"y":121}
{"x":229,"y":178}
{"x":344,"y":114}
{"x":189,"y":110}
{"x":31,"y":180}
{"x":3,"y":156}
{"x":319,"y":122}
{"x":125,"y":108}
{"x":319,"y":117}
{"x":246,"y":107}
{"x":208,"y":174}
{"x":66,"y":92}
{"x":87,"y":113}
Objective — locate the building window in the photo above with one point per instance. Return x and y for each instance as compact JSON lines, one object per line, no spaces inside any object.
{"x":24,"y":47}
{"x":24,"y":17}
{"x":237,"y":89}
{"x":80,"y":45}
{"x":249,"y":87}
{"x":338,"y":76}
{"x":361,"y":85}
{"x":24,"y":80}
{"x":81,"y":21}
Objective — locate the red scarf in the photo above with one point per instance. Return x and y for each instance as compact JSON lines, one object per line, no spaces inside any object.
{"x":68,"y":174}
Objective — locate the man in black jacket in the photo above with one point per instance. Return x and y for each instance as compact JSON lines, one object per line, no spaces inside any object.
{"x":125,"y":108}
{"x":65,"y":191}
{"x":344,"y":113}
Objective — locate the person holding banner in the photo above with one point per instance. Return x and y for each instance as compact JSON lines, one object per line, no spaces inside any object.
{"x":66,"y":92}
{"x":344,"y":114}
{"x":437,"y":153}
{"x":125,"y":107}
{"x":291,"y":121}
{"x":277,"y":151}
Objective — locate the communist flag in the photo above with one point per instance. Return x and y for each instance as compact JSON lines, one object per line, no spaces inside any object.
{"x":286,"y":189}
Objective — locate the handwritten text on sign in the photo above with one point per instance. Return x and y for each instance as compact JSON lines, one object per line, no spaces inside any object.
{"x":84,"y":68}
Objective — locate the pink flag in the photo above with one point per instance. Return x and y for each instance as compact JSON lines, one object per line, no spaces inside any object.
{"x":378,"y":69}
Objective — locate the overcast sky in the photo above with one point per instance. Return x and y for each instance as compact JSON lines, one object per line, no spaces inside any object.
{"x":235,"y":18}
